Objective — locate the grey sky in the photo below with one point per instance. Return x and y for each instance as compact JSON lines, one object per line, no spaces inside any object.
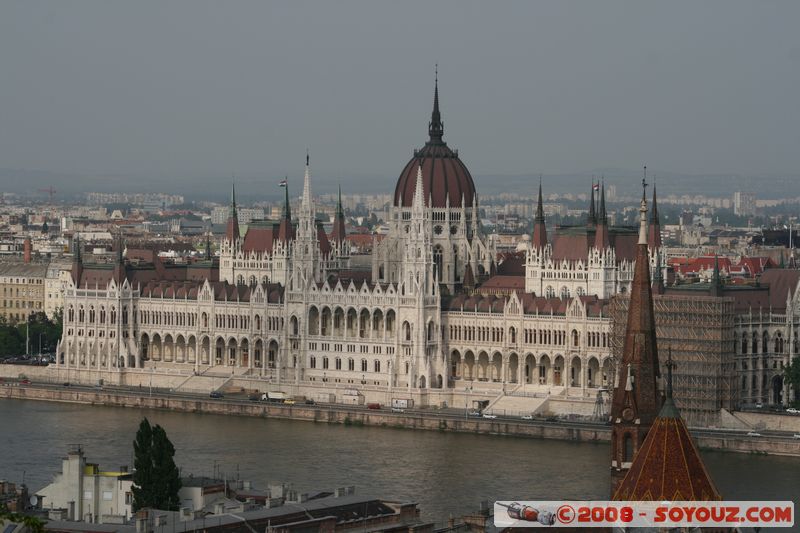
{"x":191,"y":88}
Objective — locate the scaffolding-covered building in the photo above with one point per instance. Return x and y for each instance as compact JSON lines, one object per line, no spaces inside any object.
{"x":700,"y":331}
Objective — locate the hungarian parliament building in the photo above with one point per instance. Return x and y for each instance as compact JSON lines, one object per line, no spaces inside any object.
{"x":439,"y":312}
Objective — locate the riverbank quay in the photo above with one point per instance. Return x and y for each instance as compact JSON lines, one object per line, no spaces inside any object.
{"x":768,"y":443}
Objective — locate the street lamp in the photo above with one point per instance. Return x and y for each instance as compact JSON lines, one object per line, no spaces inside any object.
{"x":466,"y":401}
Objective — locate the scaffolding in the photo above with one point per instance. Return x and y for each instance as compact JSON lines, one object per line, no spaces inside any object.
{"x":700,"y":332}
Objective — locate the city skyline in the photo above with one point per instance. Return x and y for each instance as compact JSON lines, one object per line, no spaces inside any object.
{"x":182,"y":103}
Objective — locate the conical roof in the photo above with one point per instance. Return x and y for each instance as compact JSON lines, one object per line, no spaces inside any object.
{"x":668,"y":465}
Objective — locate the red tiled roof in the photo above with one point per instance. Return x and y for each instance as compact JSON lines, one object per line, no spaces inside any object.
{"x":668,"y":465}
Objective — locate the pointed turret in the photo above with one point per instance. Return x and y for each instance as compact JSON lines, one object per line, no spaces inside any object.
{"x":658,"y":275}
{"x":591,"y":218}
{"x":668,"y":465}
{"x":232,"y":228}
{"x":77,"y":261}
{"x":435,"y":126}
{"x":655,"y":223}
{"x":418,"y":203}
{"x":469,"y":278}
{"x":634,"y":409}
{"x":119,"y":261}
{"x":338,"y":234}
{"x":286,"y":229}
{"x":716,"y":279}
{"x":539,"y":239}
{"x":601,"y":239}
{"x":306,"y":201}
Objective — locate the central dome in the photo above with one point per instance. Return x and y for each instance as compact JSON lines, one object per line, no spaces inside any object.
{"x":444,"y":177}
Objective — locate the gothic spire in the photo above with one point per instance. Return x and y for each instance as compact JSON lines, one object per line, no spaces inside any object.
{"x":285,"y":229}
{"x":338,"y":233}
{"x":601,"y":238}
{"x":655,"y":223}
{"x":603,"y":219}
{"x":232,"y":229}
{"x":435,"y":126}
{"x":286,"y":212}
{"x":591,"y":219}
{"x":539,"y":229}
{"x":539,"y":205}
{"x":306,"y":202}
{"x":633,"y":411}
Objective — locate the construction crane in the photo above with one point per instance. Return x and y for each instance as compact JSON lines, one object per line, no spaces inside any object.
{"x":50,"y":191}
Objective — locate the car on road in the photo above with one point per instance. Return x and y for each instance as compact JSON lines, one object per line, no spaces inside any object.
{"x":475,"y":413}
{"x":753,"y":434}
{"x":488,"y":415}
{"x":793,"y":411}
{"x":796,"y":436}
{"x":398,"y":410}
{"x":289,"y":401}
{"x":25,"y":382}
{"x":527,"y":417}
{"x":254,"y":397}
{"x":310,"y":402}
{"x":759,"y":405}
{"x":216,"y":394}
{"x":66,"y":384}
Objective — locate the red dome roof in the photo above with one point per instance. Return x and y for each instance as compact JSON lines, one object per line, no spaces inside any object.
{"x":444,"y":176}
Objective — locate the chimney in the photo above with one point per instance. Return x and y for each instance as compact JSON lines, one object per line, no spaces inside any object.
{"x":26,"y":250}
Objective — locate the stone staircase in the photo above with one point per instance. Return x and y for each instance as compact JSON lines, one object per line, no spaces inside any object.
{"x":516,"y":405}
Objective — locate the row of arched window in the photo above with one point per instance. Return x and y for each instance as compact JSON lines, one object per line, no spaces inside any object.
{"x":337,"y":362}
{"x":752,"y":343}
{"x":96,"y":316}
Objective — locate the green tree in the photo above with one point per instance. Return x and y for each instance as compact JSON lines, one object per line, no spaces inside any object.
{"x":156,"y":479}
{"x":792,"y":375}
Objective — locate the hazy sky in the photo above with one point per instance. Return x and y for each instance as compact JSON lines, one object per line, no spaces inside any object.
{"x":205,"y":88}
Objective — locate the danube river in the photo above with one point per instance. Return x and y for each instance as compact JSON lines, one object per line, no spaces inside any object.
{"x":446,"y":473}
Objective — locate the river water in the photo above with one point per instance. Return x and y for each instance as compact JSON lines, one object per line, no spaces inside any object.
{"x":446,"y":473}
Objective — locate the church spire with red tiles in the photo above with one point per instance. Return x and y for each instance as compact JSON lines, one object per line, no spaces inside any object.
{"x":668,"y":465}
{"x":636,"y":399}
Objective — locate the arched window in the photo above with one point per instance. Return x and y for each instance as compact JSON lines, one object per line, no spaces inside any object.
{"x":325,"y":362}
{"x":312,"y":363}
{"x":744,"y":343}
{"x":351,"y":365}
{"x":363,"y":365}
{"x":755,"y":342}
{"x":512,"y":335}
{"x":575,"y":338}
{"x":406,"y":331}
{"x":377,"y":366}
{"x":765,"y":342}
{"x":778,"y":342}
{"x":627,"y":449}
{"x":338,"y":363}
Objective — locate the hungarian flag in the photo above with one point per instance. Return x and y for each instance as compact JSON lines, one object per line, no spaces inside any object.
{"x":282,"y":183}
{"x":596,"y":186}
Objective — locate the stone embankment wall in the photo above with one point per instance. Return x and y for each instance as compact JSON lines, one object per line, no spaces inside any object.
{"x":366,"y":417}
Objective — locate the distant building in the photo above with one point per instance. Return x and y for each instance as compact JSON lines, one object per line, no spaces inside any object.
{"x":744,"y":203}
{"x":22,"y":288}
{"x":219,"y":215}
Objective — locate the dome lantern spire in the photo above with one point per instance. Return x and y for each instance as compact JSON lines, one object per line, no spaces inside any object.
{"x":436,"y":127}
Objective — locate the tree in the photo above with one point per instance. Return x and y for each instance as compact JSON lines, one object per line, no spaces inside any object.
{"x":792,"y":374}
{"x":156,"y":479}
